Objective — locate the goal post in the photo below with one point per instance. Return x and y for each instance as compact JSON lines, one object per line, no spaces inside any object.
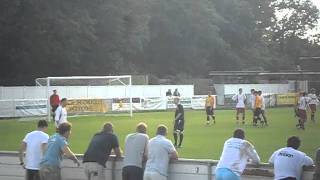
{"x":89,"y":88}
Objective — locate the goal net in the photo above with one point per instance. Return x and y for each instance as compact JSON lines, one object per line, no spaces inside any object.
{"x":90,"y":94}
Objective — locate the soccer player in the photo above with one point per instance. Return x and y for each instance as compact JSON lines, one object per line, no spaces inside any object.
{"x":98,"y":151}
{"x":288,"y":161}
{"x":160,"y":152}
{"x":302,"y":109}
{"x":178,"y":125}
{"x":209,"y":108}
{"x":257,"y":108}
{"x":34,"y":145}
{"x":240,"y":106}
{"x":57,"y":146}
{"x":313,"y":103}
{"x":263,"y":109}
{"x":235,"y":156}
{"x":136,"y":152}
{"x":54,"y":102}
{"x":61,"y":113}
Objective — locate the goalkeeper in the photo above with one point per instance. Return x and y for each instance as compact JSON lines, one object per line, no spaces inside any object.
{"x":178,"y":125}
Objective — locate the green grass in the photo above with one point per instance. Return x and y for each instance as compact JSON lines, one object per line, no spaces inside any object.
{"x":201,"y":142}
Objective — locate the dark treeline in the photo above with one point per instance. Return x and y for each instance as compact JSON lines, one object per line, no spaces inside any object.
{"x":163,"y":38}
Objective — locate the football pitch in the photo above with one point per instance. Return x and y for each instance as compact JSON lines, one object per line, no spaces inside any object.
{"x":200,"y":142}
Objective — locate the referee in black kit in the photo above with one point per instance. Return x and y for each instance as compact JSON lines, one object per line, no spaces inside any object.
{"x":178,"y":125}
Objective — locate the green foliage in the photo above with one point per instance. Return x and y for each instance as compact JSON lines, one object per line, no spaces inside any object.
{"x":163,"y":38}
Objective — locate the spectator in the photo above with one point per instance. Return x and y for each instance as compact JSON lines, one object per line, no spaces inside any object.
{"x":235,"y":156}
{"x":61,"y":113}
{"x":34,"y":144}
{"x":136,"y":153}
{"x":98,"y":152}
{"x":169,"y":93}
{"x":176,"y":93}
{"x":57,"y":146}
{"x":160,"y":151}
{"x":54,"y":102}
{"x":316,"y":175}
{"x":288,"y":162}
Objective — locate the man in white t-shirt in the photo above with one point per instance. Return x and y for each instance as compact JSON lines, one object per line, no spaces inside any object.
{"x":33,"y":145}
{"x":236,"y":153}
{"x":240,"y":106}
{"x":288,"y":162}
{"x":61,"y":113}
{"x":136,"y":152}
{"x":160,"y":152}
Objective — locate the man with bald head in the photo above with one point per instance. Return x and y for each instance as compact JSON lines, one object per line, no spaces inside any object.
{"x":136,"y":152}
{"x":99,"y":149}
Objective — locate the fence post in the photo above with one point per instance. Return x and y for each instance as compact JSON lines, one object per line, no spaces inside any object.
{"x":316,"y":175}
{"x":209,"y":170}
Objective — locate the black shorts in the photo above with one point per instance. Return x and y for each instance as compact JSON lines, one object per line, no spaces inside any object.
{"x":132,"y":173}
{"x":257,"y":112}
{"x":32,"y":174}
{"x":178,"y":125}
{"x":209,"y":111}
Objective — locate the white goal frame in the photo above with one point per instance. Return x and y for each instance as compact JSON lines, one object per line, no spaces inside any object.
{"x":112,"y":79}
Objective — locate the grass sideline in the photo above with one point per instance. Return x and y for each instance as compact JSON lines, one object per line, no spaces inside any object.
{"x":201,"y":141}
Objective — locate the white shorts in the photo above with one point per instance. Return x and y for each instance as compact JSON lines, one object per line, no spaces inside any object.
{"x":153,"y":176}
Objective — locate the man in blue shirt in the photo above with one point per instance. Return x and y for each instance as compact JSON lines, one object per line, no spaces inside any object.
{"x":57,"y":146}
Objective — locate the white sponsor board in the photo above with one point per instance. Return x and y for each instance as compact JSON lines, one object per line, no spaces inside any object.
{"x":23,"y":108}
{"x":199,"y":102}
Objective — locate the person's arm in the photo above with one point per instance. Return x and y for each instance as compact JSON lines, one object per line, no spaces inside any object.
{"x":178,"y":116}
{"x":307,"y":161}
{"x":174,"y":155}
{"x":67,"y":151}
{"x":117,"y":151}
{"x":271,"y":159}
{"x":58,"y":114}
{"x":252,"y":153}
{"x":22,"y":149}
{"x":43,"y":148}
{"x":145,"y":152}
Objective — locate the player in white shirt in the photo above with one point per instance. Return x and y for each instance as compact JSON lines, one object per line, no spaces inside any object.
{"x":61,"y":113}
{"x":252,"y":103}
{"x":288,"y":162}
{"x":240,"y":106}
{"x":314,"y":101}
{"x":33,"y":145}
{"x":263,"y":109}
{"x":302,"y":109}
{"x":236,"y":153}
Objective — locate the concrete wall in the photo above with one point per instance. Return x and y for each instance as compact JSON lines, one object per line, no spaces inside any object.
{"x":183,"y":169}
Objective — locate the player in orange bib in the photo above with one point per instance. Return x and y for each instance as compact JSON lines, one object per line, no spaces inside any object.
{"x":209,"y":108}
{"x":257,"y":108}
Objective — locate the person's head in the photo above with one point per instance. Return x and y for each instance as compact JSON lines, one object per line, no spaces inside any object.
{"x":176,"y":89}
{"x":162,"y":130}
{"x":43,"y":125}
{"x":169,"y":90}
{"x":252,"y":91}
{"x":256,"y":93}
{"x":240,"y":90}
{"x":64,"y":129}
{"x":259,"y":93}
{"x":209,"y":93}
{"x":108,"y":127}
{"x":239,"y":133}
{"x":55,"y":91}
{"x":64,"y":102}
{"x":294,"y":142}
{"x":142,"y":128}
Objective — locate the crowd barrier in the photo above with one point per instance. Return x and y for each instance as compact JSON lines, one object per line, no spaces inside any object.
{"x":182,"y":169}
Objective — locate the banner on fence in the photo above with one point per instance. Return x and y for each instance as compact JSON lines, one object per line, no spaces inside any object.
{"x":87,"y":106}
{"x":286,"y":99}
{"x":199,"y":102}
